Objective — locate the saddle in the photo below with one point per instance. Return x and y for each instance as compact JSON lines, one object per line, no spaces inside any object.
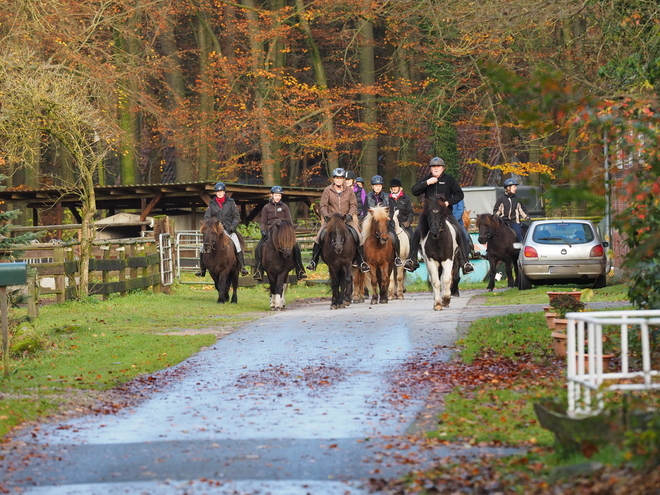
{"x":354,"y":233}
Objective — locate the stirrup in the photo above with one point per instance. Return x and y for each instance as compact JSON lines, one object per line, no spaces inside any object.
{"x":302,"y":275}
{"x":409,"y":265}
{"x":311,"y":265}
{"x":468,"y":268}
{"x":397,"y":261}
{"x":364,"y":267}
{"x":244,"y":271}
{"x":257,"y":275}
{"x":355,"y":264}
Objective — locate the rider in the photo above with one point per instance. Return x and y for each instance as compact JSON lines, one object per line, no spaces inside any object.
{"x":224,"y":209}
{"x":510,"y":208}
{"x":336,"y":198}
{"x":439,"y":183}
{"x":273,"y":212}
{"x":402,"y":204}
{"x":360,"y":196}
{"x":378,"y":197}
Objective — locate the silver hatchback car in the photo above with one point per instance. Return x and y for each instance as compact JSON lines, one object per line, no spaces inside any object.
{"x":562,"y":251}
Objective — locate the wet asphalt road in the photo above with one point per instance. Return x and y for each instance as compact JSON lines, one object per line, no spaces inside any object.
{"x":293,"y":403}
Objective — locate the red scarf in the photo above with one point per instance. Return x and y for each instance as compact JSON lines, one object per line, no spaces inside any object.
{"x":221,"y":201}
{"x":396,"y":196}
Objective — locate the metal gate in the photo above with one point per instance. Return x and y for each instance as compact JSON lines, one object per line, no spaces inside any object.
{"x":188,"y":245}
{"x":166,"y":268}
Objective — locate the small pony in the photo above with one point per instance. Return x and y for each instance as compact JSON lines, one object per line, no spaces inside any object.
{"x":438,"y":232}
{"x":219,"y":258}
{"x":378,"y":252}
{"x":277,"y":260}
{"x":499,"y":238}
{"x":338,"y":247}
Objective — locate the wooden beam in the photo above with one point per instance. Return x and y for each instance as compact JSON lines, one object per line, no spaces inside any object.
{"x":150,"y":206}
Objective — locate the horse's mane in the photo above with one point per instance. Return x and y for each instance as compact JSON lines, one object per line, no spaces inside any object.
{"x":432,"y":202}
{"x":487,"y":218}
{"x":336,"y":222}
{"x":376,"y":214}
{"x":283,"y":235}
{"x":216,"y":227}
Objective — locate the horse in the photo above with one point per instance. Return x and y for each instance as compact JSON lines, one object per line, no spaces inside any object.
{"x":338,"y":247}
{"x":378,"y":252}
{"x":438,"y":231}
{"x":499,"y":238}
{"x":397,"y":282}
{"x":219,"y":258}
{"x":277,"y":260}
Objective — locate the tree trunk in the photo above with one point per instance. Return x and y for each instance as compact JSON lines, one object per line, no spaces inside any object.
{"x":368,"y":100}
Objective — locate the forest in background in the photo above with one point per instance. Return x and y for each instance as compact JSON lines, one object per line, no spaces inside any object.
{"x":283,"y":91}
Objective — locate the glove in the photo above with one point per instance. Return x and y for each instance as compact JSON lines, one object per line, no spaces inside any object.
{"x":264,"y":234}
{"x":348,"y":218}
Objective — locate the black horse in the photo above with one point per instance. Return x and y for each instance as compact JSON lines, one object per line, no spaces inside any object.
{"x":338,"y":247}
{"x":277,"y":260}
{"x":438,"y":234}
{"x":219,"y":258}
{"x":499,"y":238}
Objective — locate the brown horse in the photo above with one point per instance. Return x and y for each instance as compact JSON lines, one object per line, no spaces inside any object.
{"x":277,"y":260}
{"x":219,"y":258}
{"x":499,"y":238}
{"x":378,"y":252}
{"x":338,"y":248}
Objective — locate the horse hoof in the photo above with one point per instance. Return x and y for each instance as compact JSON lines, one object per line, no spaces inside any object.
{"x":374,"y":300}
{"x":383,"y":301}
{"x":437,"y":307}
{"x":334,"y":306}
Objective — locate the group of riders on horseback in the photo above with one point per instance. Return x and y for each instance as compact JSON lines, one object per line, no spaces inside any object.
{"x":347,"y":197}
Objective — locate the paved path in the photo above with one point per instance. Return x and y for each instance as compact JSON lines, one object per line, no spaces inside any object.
{"x":294,"y":403}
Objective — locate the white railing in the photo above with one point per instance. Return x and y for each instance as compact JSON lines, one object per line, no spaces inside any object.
{"x":587,"y":378}
{"x":188,"y":245}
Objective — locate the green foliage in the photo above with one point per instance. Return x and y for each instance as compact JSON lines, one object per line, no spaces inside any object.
{"x":537,"y":295}
{"x":250,"y":231}
{"x":644,"y":441}
{"x":565,"y":303}
{"x":6,"y":239}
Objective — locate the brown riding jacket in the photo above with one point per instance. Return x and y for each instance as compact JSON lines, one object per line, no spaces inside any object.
{"x":333,"y":202}
{"x":273,"y":212}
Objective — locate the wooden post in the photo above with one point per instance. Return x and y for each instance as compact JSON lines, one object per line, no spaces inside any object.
{"x":60,"y":285}
{"x":155,"y":270}
{"x":5,"y":330}
{"x":105,"y":275}
{"x":121,"y":255}
{"x":33,"y":293}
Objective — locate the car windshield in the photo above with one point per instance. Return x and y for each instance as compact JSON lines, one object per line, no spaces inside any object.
{"x":563,"y":233}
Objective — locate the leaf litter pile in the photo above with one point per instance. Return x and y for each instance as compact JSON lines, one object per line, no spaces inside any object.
{"x":429,"y":377}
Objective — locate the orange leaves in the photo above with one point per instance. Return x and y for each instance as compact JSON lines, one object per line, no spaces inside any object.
{"x":518,"y":168}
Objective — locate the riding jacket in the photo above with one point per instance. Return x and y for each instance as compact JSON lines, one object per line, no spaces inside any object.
{"x":381,"y":199}
{"x":403,"y":205}
{"x":446,"y":185}
{"x":344,"y":203}
{"x":360,"y":196}
{"x":273,"y":212}
{"x":510,"y":209}
{"x":226,"y":213}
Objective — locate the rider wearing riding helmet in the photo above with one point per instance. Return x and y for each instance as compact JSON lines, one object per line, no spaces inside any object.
{"x":378,"y":197}
{"x":224,"y":209}
{"x":360,"y":196}
{"x":440,"y":183}
{"x":510,"y":208}
{"x":337,"y":198}
{"x":273,"y":212}
{"x":402,"y":204}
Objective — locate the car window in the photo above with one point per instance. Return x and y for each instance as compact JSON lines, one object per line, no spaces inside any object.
{"x":563,"y":233}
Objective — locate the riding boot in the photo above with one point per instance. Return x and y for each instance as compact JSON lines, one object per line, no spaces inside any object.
{"x":316,"y":252}
{"x":464,"y":251}
{"x":257,"y":275}
{"x":397,"y":250}
{"x":359,"y":258}
{"x":411,"y":263}
{"x":300,"y":270}
{"x":202,"y":269}
{"x":241,"y":261}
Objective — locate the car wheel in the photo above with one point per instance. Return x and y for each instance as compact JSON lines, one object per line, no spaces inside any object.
{"x":600,"y":282}
{"x":524,"y":283}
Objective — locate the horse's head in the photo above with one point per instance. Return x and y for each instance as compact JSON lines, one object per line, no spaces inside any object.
{"x":436,"y":213}
{"x":487,"y":225}
{"x":377,"y":223}
{"x":212,"y":233}
{"x":283,"y":236}
{"x":337,"y":231}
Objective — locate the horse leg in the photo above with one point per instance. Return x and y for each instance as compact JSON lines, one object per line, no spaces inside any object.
{"x":358,"y":285}
{"x":455,"y":278}
{"x":491,"y":273}
{"x":385,"y":283}
{"x":348,"y":285}
{"x":509,"y":274}
{"x":446,"y":277}
{"x":234,"y":286}
{"x":334,"y":283}
{"x":433,"y":268}
{"x":375,"y":276}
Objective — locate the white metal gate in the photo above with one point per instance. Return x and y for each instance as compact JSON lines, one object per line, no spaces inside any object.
{"x":166,"y":268}
{"x":188,"y":245}
{"x":587,"y":378}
